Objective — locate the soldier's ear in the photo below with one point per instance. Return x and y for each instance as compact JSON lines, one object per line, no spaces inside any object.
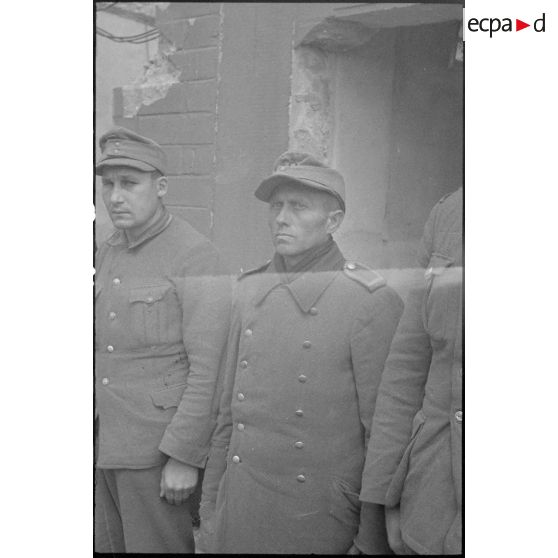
{"x":162,"y":186}
{"x":334,"y":220}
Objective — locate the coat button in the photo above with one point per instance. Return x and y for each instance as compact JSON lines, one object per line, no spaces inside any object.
{"x":299,"y":413}
{"x":301,"y":478}
{"x":248,"y":332}
{"x":299,"y":445}
{"x":243,"y":364}
{"x":110,"y":348}
{"x":302,"y":378}
{"x":236,"y":459}
{"x":240,"y":396}
{"x":105,"y":381}
{"x":116,"y":281}
{"x":112,"y":315}
{"x":307,"y":344}
{"x":149,"y":299}
{"x":240,"y":426}
{"x":350,"y":266}
{"x":314,"y":311}
{"x":459,"y":416}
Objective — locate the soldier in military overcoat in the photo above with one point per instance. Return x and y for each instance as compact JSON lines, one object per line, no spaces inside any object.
{"x":414,"y":463}
{"x":310,"y":333}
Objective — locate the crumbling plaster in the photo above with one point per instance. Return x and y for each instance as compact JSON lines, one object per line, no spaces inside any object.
{"x":158,"y":75}
{"x":310,"y":111}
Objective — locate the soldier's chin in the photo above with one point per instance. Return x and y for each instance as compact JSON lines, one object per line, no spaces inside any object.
{"x":285,"y":249}
{"x":122,"y":221}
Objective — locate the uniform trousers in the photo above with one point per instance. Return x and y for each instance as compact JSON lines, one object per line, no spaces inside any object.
{"x":130,"y":516}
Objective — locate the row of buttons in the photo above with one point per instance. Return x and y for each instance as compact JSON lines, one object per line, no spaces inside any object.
{"x":112,"y":315}
{"x":236,"y":459}
{"x":302,"y":379}
{"x":299,"y":445}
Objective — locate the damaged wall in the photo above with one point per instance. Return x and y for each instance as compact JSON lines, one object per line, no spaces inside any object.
{"x":174,"y":102}
{"x":116,"y":64}
{"x":310,"y":115}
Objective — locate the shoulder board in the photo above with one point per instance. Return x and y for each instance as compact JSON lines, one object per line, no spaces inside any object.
{"x":364,"y":275}
{"x":252,"y":271}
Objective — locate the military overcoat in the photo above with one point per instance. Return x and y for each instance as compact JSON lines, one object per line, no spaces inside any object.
{"x":414,"y":458}
{"x":304,"y":362}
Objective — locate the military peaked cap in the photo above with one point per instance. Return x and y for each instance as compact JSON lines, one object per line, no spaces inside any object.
{"x":122,"y":147}
{"x":305,"y":169}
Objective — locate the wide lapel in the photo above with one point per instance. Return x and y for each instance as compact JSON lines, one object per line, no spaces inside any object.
{"x":309,"y":287}
{"x":265,"y":283}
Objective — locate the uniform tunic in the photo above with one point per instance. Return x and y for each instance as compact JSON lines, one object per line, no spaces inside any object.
{"x":303,"y":365}
{"x":413,"y":465}
{"x":161,"y":321}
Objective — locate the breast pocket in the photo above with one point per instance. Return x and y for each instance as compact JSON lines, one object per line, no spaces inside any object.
{"x":149,"y":313}
{"x":441,"y":301}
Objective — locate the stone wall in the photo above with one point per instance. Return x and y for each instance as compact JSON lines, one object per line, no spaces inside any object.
{"x":175,"y":103}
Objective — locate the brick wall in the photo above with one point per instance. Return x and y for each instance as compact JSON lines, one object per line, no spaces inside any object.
{"x":184,"y":121}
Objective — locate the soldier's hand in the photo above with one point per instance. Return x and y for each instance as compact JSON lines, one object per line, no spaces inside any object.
{"x":178,"y":481}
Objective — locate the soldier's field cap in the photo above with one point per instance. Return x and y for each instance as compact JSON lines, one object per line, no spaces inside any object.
{"x":122,"y":147}
{"x":305,"y":169}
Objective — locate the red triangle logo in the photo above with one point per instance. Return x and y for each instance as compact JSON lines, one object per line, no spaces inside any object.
{"x":519,"y":25}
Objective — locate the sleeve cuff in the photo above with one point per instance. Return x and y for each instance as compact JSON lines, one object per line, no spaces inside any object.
{"x":194,"y":456}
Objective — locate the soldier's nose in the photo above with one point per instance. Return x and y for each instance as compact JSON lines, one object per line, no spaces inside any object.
{"x":116,"y":195}
{"x":281,"y":216}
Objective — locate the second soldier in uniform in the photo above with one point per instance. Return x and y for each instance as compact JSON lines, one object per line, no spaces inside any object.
{"x":310,"y":333}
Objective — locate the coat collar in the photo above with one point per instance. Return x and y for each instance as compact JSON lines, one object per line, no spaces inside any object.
{"x":306,"y":288}
{"x":119,"y":237}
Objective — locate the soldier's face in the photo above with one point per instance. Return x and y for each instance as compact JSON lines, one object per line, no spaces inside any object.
{"x":299,"y":219}
{"x":131,"y":196}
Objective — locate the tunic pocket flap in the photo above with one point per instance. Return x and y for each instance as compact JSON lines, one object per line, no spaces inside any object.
{"x":148,"y":294}
{"x":167,"y":398}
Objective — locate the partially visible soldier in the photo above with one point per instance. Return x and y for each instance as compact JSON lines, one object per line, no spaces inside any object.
{"x":161,"y":321}
{"x":414,"y":461}
{"x":309,"y":336}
